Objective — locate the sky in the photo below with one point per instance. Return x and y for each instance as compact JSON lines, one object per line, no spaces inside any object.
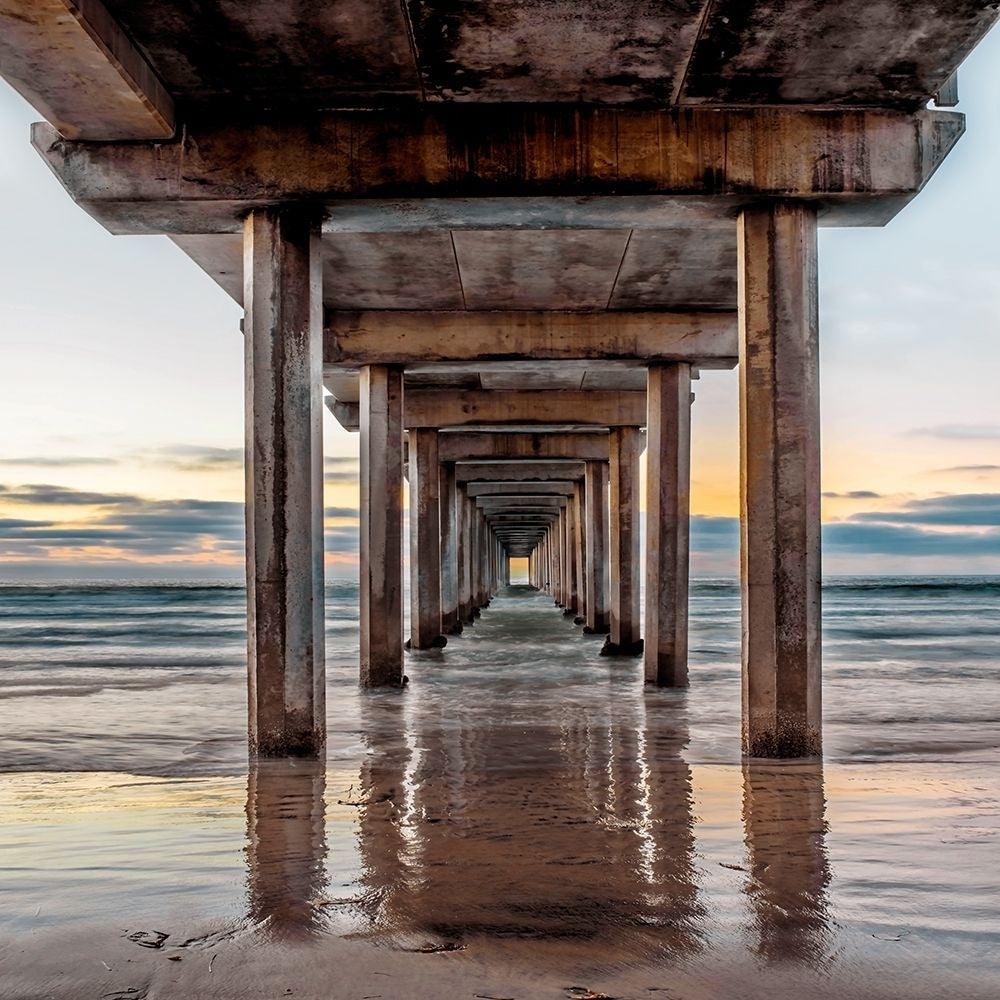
{"x":121,"y":389}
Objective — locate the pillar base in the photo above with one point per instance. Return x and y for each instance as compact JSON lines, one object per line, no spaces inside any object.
{"x":622,"y":648}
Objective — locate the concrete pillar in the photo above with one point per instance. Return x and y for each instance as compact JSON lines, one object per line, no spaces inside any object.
{"x":597,"y":549}
{"x":668,"y":423}
{"x":572,"y":570}
{"x":284,"y":482}
{"x":625,"y":446}
{"x":449,"y":549}
{"x":779,"y":480}
{"x":464,"y":560}
{"x":425,"y":541}
{"x":381,"y":550}
{"x":580,"y":529}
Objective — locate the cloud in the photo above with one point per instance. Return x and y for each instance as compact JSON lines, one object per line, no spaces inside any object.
{"x":906,"y":540}
{"x":969,"y":468}
{"x":58,"y":461}
{"x":854,"y":495}
{"x":714,"y":534}
{"x":42,"y":494}
{"x":351,"y":512}
{"x":195,"y":457}
{"x":126,"y":527}
{"x":959,"y":432}
{"x":340,"y":469}
{"x":957,"y":510}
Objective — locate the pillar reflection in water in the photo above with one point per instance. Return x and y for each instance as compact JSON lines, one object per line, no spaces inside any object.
{"x":573,"y":825}
{"x":286,"y":845}
{"x":785,"y":829}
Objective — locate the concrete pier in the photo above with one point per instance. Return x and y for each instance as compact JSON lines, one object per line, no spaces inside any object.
{"x":668,"y":476}
{"x":381,"y":517}
{"x":524,"y":267}
{"x":779,"y":480}
{"x":284,"y":483}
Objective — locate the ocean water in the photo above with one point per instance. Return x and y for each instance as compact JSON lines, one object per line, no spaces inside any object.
{"x":151,"y":679}
{"x":522,"y":817}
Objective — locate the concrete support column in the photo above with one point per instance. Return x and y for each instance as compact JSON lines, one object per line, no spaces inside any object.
{"x":580,"y":530}
{"x":464,"y":560}
{"x":780,"y":480}
{"x":625,"y":446}
{"x":668,"y":423}
{"x":381,"y":551}
{"x":572,"y":570}
{"x":449,"y":548}
{"x":425,"y":541}
{"x":597,"y":549}
{"x":284,"y":482}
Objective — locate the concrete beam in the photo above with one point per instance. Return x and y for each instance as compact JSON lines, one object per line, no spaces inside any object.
{"x":491,"y":503}
{"x":562,"y":489}
{"x":861,"y":166}
{"x":440,"y":408}
{"x":393,"y":337}
{"x":518,"y":472}
{"x":462,"y":446}
{"x":71,"y":60}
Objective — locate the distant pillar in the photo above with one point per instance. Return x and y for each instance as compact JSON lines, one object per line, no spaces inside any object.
{"x":381,"y":551}
{"x":284,"y":482}
{"x":625,"y":446}
{"x":668,"y":423}
{"x":573,"y":592}
{"x":425,"y":541}
{"x":580,"y":530}
{"x":464,"y":560}
{"x":449,"y":548}
{"x":780,"y":480}
{"x":597,"y":548}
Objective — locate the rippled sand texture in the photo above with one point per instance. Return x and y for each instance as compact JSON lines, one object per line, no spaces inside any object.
{"x":522,"y":820}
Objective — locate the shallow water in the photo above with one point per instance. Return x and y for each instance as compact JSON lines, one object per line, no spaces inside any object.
{"x":523,"y":800}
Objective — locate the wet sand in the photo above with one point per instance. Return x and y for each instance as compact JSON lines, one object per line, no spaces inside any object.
{"x":513,"y":825}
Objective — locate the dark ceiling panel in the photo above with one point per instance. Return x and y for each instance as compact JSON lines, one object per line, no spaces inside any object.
{"x":287,"y":54}
{"x":604,"y":51}
{"x":893,"y":52}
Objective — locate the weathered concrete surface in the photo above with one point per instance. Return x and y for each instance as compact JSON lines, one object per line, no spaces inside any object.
{"x":518,"y":471}
{"x":437,"y":408}
{"x":381,"y":542}
{"x":394,"y":337}
{"x":625,"y":556}
{"x":556,"y":489}
{"x":668,"y":483}
{"x":284,"y":485}
{"x":597,"y":573}
{"x":861,"y":166}
{"x":223,"y":59}
{"x":71,"y":60}
{"x":425,"y":541}
{"x":463,"y":446}
{"x":780,"y":482}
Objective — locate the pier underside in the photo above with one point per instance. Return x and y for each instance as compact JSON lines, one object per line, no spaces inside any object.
{"x":506,"y":240}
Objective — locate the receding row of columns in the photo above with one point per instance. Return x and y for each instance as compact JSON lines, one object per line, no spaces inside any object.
{"x":459,"y":568}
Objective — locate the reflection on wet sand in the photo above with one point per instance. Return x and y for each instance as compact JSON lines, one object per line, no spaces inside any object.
{"x":286,"y":845}
{"x":574,"y":828}
{"x":785,"y":827}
